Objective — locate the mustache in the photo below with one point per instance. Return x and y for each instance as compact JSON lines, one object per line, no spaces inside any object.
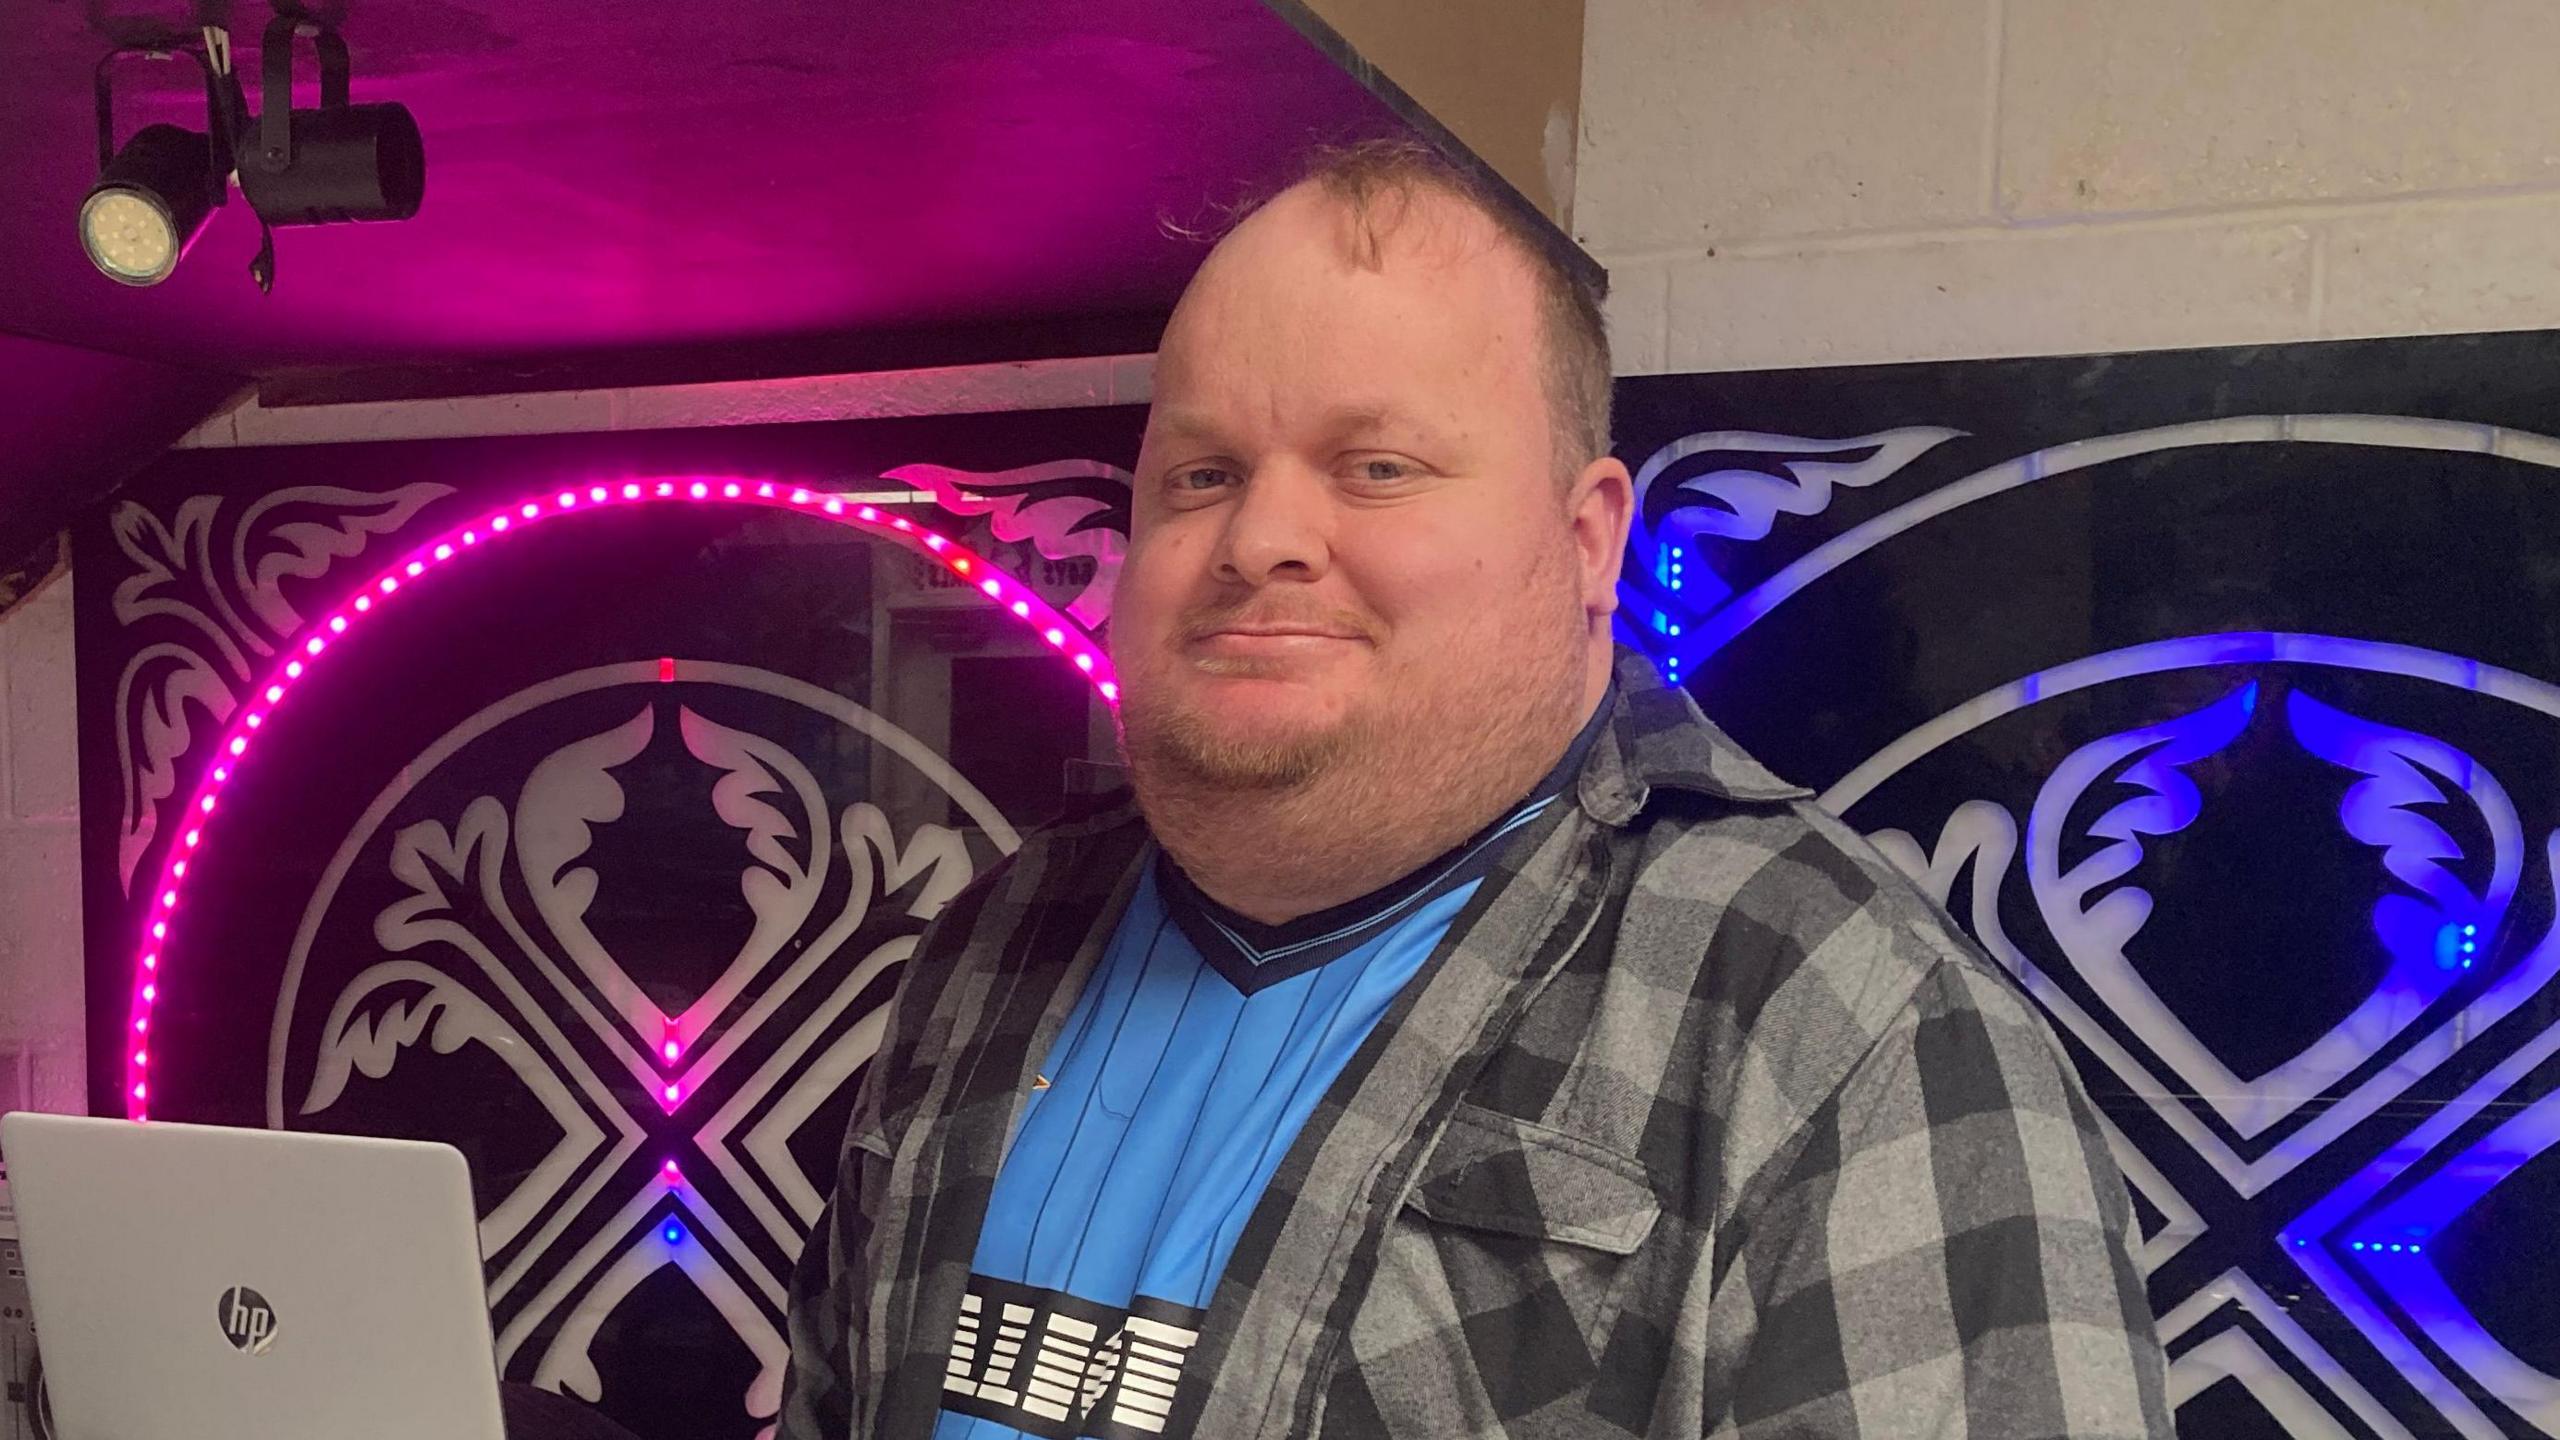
{"x":1205,"y":621}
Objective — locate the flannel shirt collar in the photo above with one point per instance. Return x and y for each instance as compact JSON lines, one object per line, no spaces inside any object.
{"x":1659,"y":740}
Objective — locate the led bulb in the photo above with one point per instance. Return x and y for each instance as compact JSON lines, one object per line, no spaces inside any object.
{"x":129,"y":237}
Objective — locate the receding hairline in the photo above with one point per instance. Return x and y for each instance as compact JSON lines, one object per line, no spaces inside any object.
{"x":1378,"y":185}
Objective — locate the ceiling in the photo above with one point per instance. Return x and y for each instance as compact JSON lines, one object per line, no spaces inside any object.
{"x":652,"y":192}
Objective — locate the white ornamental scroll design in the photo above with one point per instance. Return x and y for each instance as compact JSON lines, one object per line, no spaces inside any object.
{"x":2095,"y":905}
{"x":233,"y":616}
{"x":1064,"y":508}
{"x":366,"y":1036}
{"x":1736,"y":486}
{"x":519,"y":986}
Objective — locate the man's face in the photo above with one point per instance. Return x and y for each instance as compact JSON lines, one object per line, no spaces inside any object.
{"x":1349,"y":535}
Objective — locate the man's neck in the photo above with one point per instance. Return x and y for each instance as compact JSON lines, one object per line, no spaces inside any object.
{"x":1274,"y":855}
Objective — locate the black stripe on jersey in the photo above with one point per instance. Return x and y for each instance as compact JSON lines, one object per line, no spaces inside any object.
{"x":1093,"y":1092}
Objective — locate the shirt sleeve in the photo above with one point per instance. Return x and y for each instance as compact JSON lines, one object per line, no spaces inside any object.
{"x":1947,"y":1252}
{"x":827,"y":1291}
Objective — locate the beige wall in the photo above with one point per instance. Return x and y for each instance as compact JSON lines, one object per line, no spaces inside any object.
{"x":1504,"y":75}
{"x":1825,"y":182}
{"x":40,"y":1001}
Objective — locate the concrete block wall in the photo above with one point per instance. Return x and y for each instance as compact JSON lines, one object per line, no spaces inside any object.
{"x":1831,"y":182}
{"x":41,"y":1046}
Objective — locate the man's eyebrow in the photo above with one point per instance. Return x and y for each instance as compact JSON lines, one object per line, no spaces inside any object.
{"x":1370,"y":421}
{"x":1344,"y":422}
{"x":1185,"y":424}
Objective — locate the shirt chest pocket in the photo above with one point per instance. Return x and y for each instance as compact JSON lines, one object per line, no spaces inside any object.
{"x":1512,"y":1250}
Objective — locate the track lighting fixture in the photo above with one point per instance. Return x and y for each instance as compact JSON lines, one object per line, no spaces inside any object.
{"x":327,"y":165}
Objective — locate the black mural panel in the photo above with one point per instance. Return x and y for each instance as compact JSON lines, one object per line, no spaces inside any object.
{"x":576,"y":802}
{"x":2214,"y":693}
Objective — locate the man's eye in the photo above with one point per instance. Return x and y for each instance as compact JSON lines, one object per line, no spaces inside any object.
{"x":1384,"y":472}
{"x":1200,"y":477}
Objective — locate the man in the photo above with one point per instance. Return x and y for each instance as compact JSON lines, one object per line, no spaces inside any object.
{"x":1459,"y":1036}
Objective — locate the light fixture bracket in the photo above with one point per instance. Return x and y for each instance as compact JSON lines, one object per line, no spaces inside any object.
{"x":219,"y":118}
{"x":275,"y":83}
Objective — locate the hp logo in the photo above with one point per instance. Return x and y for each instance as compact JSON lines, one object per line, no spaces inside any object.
{"x":248,"y":1321}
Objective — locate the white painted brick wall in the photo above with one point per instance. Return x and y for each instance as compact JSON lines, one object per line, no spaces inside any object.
{"x":1824,"y":182}
{"x":41,"y":1045}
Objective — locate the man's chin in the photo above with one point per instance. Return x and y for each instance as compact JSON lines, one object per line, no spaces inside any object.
{"x":1274,"y":705}
{"x":1250,"y":768}
{"x":1241,"y":747}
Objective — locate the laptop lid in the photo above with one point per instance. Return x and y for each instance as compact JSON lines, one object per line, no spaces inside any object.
{"x":193,"y":1281}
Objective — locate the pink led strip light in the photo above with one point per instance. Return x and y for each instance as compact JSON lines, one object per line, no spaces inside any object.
{"x":238,"y":743}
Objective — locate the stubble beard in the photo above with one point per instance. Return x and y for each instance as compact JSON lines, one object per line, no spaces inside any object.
{"x":1414,"y":767}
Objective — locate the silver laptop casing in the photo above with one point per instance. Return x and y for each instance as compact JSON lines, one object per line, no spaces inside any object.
{"x":138,"y":1238}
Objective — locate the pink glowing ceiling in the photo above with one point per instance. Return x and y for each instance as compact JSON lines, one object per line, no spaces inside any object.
{"x":643,"y":192}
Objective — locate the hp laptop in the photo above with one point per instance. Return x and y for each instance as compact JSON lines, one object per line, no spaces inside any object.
{"x":203,"y":1283}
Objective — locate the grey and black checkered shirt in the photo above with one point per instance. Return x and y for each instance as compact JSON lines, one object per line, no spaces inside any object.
{"x":1701,"y":1122}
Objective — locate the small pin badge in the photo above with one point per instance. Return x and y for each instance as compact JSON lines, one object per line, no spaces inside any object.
{"x":1039,"y":1083}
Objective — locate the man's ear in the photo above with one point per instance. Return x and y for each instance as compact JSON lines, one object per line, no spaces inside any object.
{"x":1600,"y":506}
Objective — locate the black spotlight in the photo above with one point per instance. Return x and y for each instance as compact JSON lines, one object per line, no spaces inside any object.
{"x":337,"y":163}
{"x":353,"y":162}
{"x":154,"y":195}
{"x":150,"y":203}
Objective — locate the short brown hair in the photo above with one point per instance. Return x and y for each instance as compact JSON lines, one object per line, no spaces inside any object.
{"x":1575,"y":335}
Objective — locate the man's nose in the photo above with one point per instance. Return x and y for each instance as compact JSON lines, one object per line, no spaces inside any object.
{"x":1281,"y":528}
